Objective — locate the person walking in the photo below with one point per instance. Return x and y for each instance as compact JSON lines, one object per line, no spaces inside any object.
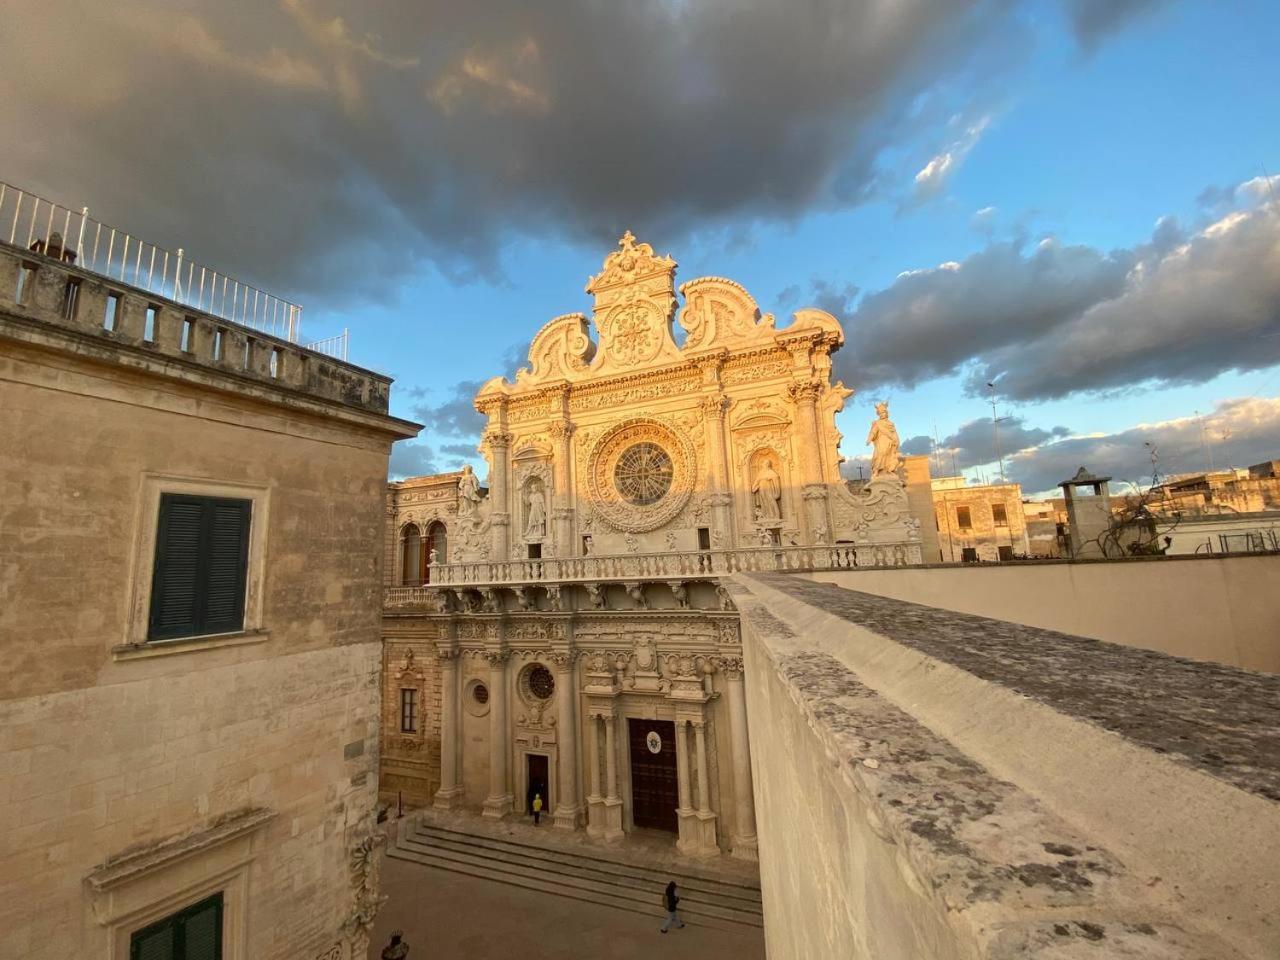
{"x":670,"y":901}
{"x":537,"y":807}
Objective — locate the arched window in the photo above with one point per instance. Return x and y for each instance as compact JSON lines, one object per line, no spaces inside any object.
{"x":412,"y":569}
{"x":436,"y":541}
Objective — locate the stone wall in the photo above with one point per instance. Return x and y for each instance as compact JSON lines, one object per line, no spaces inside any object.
{"x":1224,"y":609}
{"x":137,"y":777}
{"x":119,"y":768}
{"x":936,"y":785}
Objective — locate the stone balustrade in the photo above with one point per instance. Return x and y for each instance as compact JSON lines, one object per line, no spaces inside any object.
{"x":671,"y":565}
{"x":932,"y":784}
{"x":52,"y":292}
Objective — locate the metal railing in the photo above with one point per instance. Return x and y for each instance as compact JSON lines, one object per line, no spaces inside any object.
{"x":335,"y":346}
{"x":691,"y":564}
{"x":40,"y":225}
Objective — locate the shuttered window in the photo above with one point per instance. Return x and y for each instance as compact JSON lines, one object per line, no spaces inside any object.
{"x":191,"y":934}
{"x":202,"y":552}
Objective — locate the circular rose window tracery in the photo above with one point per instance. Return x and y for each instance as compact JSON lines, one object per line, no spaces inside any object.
{"x":643,"y":474}
{"x":640,"y":475}
{"x":541,"y":683}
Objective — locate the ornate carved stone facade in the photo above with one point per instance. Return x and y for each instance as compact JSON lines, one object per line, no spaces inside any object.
{"x":576,"y":638}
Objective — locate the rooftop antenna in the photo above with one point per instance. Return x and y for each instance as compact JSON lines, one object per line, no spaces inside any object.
{"x":995,"y":428}
{"x":1204,"y":442}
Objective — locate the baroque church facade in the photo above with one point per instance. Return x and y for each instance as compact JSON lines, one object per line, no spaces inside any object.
{"x":562,"y":631}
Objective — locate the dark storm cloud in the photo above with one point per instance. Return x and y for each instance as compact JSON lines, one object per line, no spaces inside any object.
{"x":1054,"y":320}
{"x":411,"y":459}
{"x":917,"y":445}
{"x":456,"y":416}
{"x":975,"y":441}
{"x":329,"y":146}
{"x":1092,"y":20}
{"x":1238,"y":432}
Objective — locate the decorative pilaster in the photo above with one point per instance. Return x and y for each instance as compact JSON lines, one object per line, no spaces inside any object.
{"x":713,"y":409}
{"x":744,"y":807}
{"x":450,"y":792}
{"x":706,"y":819}
{"x":612,"y":802}
{"x":604,"y":806}
{"x":499,"y":442}
{"x":805,"y":395}
{"x":568,"y":812}
{"x":562,"y":513}
{"x":498,"y":804}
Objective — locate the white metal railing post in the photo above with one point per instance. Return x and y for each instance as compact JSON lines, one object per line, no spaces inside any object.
{"x":177,"y":278}
{"x":84,"y":216}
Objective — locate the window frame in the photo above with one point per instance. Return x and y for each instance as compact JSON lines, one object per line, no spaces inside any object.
{"x":201,"y":625}
{"x":146,"y":528}
{"x":1003,"y":519}
{"x":179,"y":916}
{"x":409,"y":709}
{"x":967,"y":523}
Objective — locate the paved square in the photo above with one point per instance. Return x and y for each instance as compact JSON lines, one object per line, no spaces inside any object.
{"x":450,"y":916}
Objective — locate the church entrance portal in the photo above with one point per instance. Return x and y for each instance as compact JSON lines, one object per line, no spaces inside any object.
{"x":654,"y":787}
{"x":537,"y":781}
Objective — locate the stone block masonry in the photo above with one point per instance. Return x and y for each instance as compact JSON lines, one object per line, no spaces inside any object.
{"x":115,"y":768}
{"x":935,"y":785}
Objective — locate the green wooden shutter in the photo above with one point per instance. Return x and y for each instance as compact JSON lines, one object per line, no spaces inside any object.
{"x":201,"y":566}
{"x":175,"y":585}
{"x":201,"y":931}
{"x":191,"y":934}
{"x":228,"y":560}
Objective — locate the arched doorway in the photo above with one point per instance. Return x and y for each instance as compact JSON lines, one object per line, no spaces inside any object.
{"x":437,"y":544}
{"x":413,"y":551}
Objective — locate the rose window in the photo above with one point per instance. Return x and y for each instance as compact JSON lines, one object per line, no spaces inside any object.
{"x":643,"y":474}
{"x":541,"y":683}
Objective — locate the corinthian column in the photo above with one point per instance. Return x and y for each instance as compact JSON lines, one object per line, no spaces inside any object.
{"x":562,"y":514}
{"x":450,"y":790}
{"x":498,"y":803}
{"x":499,"y":509}
{"x":713,"y":409}
{"x":612,"y":806}
{"x":568,"y":808}
{"x":744,"y":807}
{"x":805,"y":394}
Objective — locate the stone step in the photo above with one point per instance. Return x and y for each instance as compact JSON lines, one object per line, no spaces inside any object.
{"x":700,"y":885}
{"x":640,"y":892}
{"x":564,"y":886}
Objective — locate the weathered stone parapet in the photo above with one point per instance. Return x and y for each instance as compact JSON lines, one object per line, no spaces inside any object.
{"x":185,"y":342}
{"x":930,"y":784}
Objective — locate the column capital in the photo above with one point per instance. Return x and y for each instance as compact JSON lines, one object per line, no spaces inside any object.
{"x":731,"y":666}
{"x":805,"y":391}
{"x":497,"y":658}
{"x":714,"y":406}
{"x":497,"y":438}
{"x":561,"y":429}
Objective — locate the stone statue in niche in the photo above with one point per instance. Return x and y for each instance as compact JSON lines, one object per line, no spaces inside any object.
{"x":883,"y":439}
{"x":468,"y":493}
{"x":767,"y":490}
{"x":535,"y":527}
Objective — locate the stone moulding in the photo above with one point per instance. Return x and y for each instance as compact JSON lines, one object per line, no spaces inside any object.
{"x":129,"y":866}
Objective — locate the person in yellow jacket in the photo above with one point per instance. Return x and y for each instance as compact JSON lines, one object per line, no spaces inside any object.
{"x":537,"y":807}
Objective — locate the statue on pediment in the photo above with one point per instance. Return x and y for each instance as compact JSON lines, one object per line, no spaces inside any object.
{"x":468,"y":493}
{"x":883,"y":439}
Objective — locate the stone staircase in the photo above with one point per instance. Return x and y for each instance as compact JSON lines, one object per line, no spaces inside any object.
{"x":706,"y":898}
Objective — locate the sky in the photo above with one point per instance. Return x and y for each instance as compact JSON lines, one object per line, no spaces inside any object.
{"x":1072,"y":200}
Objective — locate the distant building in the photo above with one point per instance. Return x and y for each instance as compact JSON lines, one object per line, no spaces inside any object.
{"x":979,"y":522}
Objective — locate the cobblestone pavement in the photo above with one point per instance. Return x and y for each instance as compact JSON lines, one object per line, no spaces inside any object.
{"x":449,"y":916}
